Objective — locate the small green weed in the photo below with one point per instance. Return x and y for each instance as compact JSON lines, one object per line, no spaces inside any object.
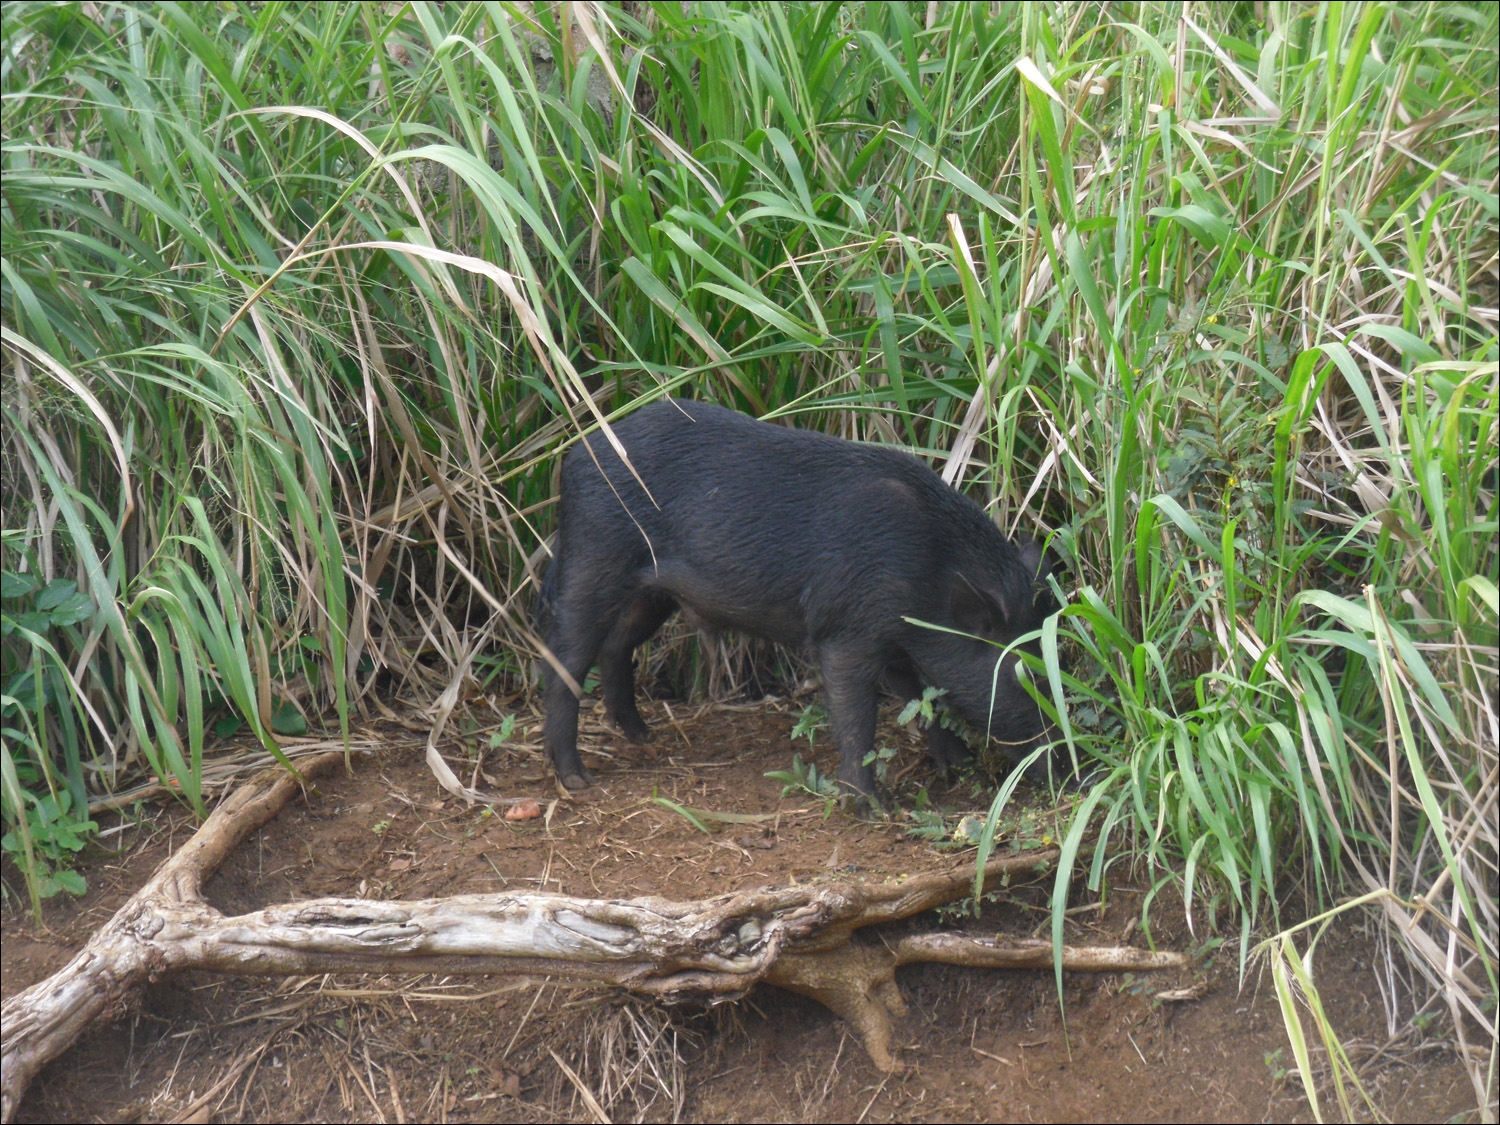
{"x":43,"y":806}
{"x":503,"y":735}
{"x":881,"y":759}
{"x":928,"y":824}
{"x":814,"y":718}
{"x":923,"y":707}
{"x":1276,"y":1063}
{"x":804,"y":778}
{"x":55,"y":835}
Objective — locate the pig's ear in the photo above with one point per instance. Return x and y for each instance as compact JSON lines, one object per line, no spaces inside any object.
{"x":974,"y":611}
{"x":1037,"y":561}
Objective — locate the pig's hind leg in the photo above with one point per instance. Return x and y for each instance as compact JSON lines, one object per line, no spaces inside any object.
{"x":851,"y":684}
{"x":584,"y":618}
{"x":642,"y":617}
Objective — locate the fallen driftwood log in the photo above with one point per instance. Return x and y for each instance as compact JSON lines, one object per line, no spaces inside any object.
{"x":797,"y":937}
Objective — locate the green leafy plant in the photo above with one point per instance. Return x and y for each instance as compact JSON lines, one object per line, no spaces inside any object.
{"x":927,"y":823}
{"x":52,"y":834}
{"x":803,"y":778}
{"x":924,"y":707}
{"x":881,"y":758}
{"x":45,"y":807}
{"x":504,"y":735}
{"x":811,"y":722}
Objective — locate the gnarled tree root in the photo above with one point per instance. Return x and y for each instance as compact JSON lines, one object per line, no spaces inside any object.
{"x":717,"y":949}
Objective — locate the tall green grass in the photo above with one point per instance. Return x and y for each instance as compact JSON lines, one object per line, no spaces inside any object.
{"x":302,"y":302}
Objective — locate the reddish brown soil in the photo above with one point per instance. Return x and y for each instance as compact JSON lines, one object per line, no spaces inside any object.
{"x":978,"y":1045}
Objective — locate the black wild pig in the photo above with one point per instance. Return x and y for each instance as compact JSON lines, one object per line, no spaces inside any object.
{"x":796,"y":536}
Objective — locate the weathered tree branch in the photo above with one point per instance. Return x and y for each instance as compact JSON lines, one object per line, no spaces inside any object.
{"x":797,"y":937}
{"x":46,"y":1019}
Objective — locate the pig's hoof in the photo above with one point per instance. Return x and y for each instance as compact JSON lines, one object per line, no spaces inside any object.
{"x":949,"y":752}
{"x":862,"y":806}
{"x":581,"y":780}
{"x":948,"y":767}
{"x":633,"y":728}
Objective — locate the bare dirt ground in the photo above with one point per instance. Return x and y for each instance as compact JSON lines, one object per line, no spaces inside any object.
{"x":978,"y":1045}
